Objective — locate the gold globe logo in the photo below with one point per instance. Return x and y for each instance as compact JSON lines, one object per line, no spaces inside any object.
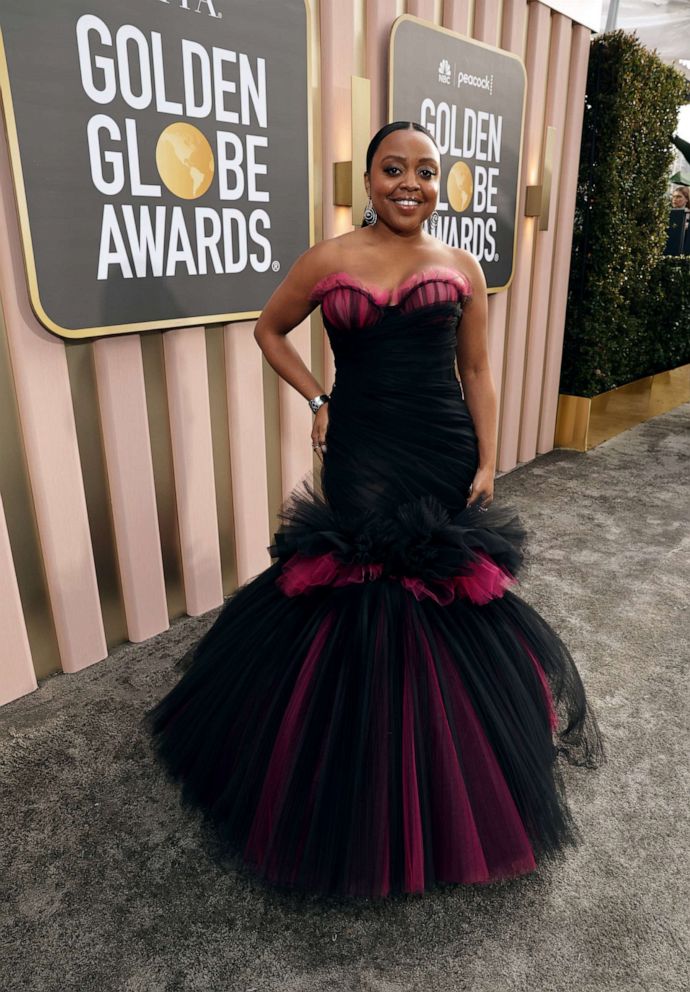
{"x":459,"y":187}
{"x":185,"y":160}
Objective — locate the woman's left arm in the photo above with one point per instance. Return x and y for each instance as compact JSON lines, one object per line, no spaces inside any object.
{"x":477,"y":380}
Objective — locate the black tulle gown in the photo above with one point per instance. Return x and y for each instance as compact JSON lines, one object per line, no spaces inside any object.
{"x":378,"y":711}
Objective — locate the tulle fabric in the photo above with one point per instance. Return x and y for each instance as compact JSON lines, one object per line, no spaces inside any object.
{"x":485,"y":581}
{"x":346,"y":302}
{"x":378,"y":712}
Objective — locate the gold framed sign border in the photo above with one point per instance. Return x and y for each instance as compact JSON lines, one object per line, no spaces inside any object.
{"x":25,"y":229}
{"x":479,"y":44}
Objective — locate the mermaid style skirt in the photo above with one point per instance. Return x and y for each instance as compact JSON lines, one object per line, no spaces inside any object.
{"x":378,"y":711}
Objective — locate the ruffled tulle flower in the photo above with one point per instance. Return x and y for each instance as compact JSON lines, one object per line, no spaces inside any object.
{"x":471,"y":554}
{"x":485,"y":581}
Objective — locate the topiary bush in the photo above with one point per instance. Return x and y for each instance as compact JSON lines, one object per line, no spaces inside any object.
{"x":631,"y":110}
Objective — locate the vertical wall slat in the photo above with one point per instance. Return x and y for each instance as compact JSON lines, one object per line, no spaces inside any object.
{"x":192,"y":448}
{"x":17,"y":676}
{"x":244,"y":377}
{"x":456,"y":15}
{"x":50,"y":443}
{"x":222,"y":469}
{"x":337,"y":67}
{"x":512,"y":37}
{"x":572,"y":138}
{"x":536,"y":63}
{"x":486,"y":21}
{"x":486,"y":28}
{"x":380,"y":15}
{"x":127,"y":447}
{"x":512,"y":27}
{"x":82,"y":380}
{"x":421,"y":8}
{"x":557,"y":91}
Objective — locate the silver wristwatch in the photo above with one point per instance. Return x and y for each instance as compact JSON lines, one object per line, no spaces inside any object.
{"x":318,"y":401}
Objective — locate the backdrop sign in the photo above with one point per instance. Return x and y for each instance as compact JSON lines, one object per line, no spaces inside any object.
{"x":161,"y":156}
{"x":471,"y":97}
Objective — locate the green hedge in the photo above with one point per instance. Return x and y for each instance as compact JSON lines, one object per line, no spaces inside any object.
{"x":664,"y":312}
{"x":618,"y":275}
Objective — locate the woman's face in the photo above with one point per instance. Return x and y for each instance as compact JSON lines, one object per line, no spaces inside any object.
{"x":404,"y":179}
{"x":677,"y":199}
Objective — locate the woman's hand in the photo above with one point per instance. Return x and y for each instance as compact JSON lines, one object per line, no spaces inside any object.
{"x":319,"y":429}
{"x":482,"y":488}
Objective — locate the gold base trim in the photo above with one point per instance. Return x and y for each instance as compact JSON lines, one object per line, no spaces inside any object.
{"x":583,"y":422}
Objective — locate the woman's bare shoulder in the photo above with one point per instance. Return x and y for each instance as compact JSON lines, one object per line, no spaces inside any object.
{"x":312,"y":265}
{"x":325,"y":257}
{"x":466,"y":263}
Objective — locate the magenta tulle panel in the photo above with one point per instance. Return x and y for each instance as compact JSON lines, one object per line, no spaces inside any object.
{"x":505,"y":846}
{"x":478,"y":834}
{"x":546,"y":688}
{"x":346,"y":306}
{"x":486,"y":581}
{"x":378,"y":839}
{"x":412,"y":817}
{"x":277,"y":778}
{"x":302,"y":573}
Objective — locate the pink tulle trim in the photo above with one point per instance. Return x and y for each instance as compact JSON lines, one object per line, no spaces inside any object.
{"x":546,"y":690}
{"x":485,"y":582}
{"x":438,"y":274}
{"x":346,"y":301}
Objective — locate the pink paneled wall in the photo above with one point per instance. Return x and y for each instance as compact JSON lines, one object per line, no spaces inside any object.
{"x":49,"y":437}
{"x":190,"y":431}
{"x":554,"y":115}
{"x":244,"y":378}
{"x":536,"y":60}
{"x":525,"y":341}
{"x":563,"y":220}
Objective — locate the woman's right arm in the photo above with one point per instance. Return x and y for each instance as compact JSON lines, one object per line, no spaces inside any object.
{"x":287,"y":307}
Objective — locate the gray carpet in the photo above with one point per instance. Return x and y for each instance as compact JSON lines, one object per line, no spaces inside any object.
{"x":108,"y":884}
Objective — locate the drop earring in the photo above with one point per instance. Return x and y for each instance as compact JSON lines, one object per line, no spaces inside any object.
{"x":433,"y":222}
{"x":370,"y":215}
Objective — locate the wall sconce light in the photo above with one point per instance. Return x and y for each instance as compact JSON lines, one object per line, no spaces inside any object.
{"x":348,"y":187}
{"x":538,"y":198}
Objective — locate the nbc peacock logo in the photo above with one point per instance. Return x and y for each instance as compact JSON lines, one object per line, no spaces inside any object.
{"x":444,"y":72}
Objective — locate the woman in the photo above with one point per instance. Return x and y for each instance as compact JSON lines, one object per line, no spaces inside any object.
{"x":375,"y":713}
{"x":680,"y":197}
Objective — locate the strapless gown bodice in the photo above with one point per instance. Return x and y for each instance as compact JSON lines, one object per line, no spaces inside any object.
{"x":396,"y":391}
{"x":393,"y":342}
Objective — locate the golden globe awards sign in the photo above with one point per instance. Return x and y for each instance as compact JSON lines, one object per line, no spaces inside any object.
{"x":471,"y":97}
{"x":160,"y":152}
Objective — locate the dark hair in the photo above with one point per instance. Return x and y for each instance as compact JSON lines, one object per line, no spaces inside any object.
{"x":388,"y":129}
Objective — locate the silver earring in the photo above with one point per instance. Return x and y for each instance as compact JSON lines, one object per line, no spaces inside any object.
{"x":433,"y":222}
{"x":370,"y":215}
